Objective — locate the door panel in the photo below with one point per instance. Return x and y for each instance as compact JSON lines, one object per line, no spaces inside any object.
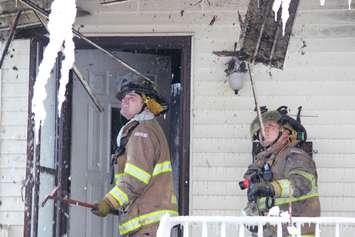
{"x":91,"y":132}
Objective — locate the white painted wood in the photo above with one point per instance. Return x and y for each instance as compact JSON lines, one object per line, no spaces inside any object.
{"x":14,"y":103}
{"x":12,"y":175}
{"x":13,"y":127}
{"x":12,"y":218}
{"x":13,"y":160}
{"x":11,"y":189}
{"x":16,"y":118}
{"x":12,"y":203}
{"x":9,"y":75}
{"x":15,"y":90}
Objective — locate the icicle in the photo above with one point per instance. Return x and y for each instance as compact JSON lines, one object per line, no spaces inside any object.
{"x":322,"y":2}
{"x":275,"y":7}
{"x":61,"y":18}
{"x":66,"y":66}
{"x":349,"y":1}
{"x":285,"y":14}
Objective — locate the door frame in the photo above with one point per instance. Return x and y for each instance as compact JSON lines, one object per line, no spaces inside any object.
{"x":181,"y":44}
{"x":146,"y":44}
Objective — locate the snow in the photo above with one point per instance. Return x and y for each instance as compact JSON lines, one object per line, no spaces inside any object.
{"x":276,"y":6}
{"x":285,"y":4}
{"x":60,"y":23}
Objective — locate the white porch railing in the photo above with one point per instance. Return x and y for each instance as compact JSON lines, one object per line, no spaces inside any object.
{"x":167,"y":223}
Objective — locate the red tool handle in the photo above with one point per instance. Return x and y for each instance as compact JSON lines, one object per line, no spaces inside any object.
{"x":78,"y":203}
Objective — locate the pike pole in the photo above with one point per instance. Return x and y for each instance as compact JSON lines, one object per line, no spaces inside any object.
{"x":258,"y":112}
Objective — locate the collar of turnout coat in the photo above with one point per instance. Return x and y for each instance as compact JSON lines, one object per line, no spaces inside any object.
{"x":143,"y":116}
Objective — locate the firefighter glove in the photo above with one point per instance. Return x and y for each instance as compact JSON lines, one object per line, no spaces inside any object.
{"x":253,"y":173}
{"x":102,"y":208}
{"x":260,"y":190}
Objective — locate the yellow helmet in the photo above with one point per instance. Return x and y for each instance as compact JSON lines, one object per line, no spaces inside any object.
{"x":280,"y":116}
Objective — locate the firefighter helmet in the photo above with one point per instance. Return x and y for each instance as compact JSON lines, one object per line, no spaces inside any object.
{"x":149,"y":92}
{"x":296,"y":129}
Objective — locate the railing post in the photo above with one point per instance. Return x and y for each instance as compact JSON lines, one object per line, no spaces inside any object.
{"x":204,"y":229}
{"x":186,"y":229}
{"x":298,"y":226}
{"x":164,"y":227}
{"x":337,"y":231}
{"x":279,"y":230}
{"x":241,"y":230}
{"x":260,"y":230}
{"x":223,"y":229}
{"x":317,"y":230}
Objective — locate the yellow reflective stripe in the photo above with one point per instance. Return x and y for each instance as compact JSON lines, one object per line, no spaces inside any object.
{"x":143,"y":220}
{"x":173,"y":199}
{"x":120,"y":196}
{"x":283,"y":187}
{"x":162,"y":167}
{"x":281,"y":201}
{"x":118,"y":177}
{"x":284,"y":200}
{"x":137,"y":173}
{"x":308,"y":176}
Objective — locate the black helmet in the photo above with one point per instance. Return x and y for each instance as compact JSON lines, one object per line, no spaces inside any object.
{"x":149,"y":92}
{"x":296,"y":129}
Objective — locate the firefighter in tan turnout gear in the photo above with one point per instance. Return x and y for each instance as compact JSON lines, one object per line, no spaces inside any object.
{"x":282,"y":174}
{"x":144,"y":183}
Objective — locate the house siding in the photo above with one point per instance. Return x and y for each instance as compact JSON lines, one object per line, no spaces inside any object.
{"x":13,"y":140}
{"x":319,"y":74}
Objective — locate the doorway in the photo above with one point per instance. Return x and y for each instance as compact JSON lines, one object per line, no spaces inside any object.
{"x":166,"y":60}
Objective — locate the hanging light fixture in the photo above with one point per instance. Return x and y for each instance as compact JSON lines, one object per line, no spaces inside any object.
{"x":236,"y":74}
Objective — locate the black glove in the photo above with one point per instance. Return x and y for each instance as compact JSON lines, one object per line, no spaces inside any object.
{"x":253,"y":173}
{"x":260,"y":190}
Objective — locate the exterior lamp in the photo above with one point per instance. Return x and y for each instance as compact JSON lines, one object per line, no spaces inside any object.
{"x":236,"y":74}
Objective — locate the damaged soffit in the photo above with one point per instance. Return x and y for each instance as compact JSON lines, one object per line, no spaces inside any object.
{"x":9,"y":9}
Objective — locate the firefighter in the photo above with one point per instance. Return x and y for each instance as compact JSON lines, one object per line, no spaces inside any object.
{"x":144,"y":189}
{"x":288,"y":174}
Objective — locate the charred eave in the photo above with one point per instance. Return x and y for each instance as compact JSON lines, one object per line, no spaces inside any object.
{"x":263,"y":40}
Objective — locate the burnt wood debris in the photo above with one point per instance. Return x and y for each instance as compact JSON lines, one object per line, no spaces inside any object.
{"x":261,"y":39}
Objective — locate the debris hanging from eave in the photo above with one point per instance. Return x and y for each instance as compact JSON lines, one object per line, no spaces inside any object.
{"x":262,"y":39}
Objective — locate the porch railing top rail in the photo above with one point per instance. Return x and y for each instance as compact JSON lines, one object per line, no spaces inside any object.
{"x":168,"y":222}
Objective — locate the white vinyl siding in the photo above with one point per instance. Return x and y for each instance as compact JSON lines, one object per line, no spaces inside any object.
{"x":13,"y":136}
